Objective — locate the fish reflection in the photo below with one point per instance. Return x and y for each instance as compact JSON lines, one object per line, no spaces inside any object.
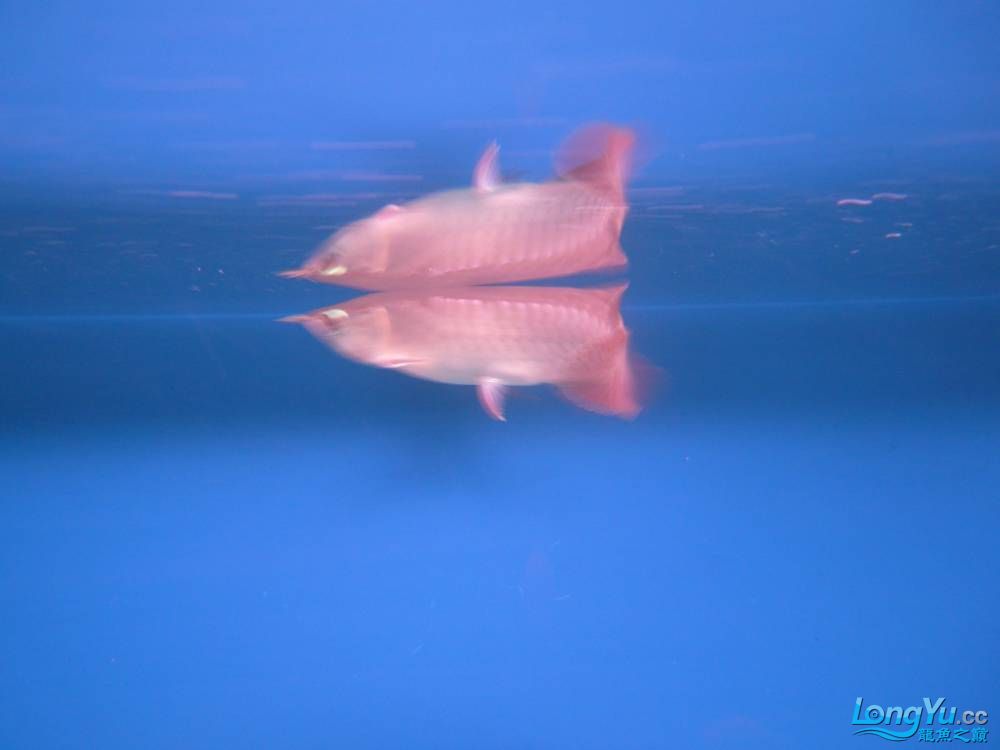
{"x":493,"y":338}
{"x":492,"y":233}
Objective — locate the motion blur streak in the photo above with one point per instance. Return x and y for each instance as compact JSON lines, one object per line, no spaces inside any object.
{"x":492,"y":233}
{"x":493,"y":337}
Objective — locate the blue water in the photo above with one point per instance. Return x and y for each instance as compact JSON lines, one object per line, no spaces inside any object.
{"x":216,"y":533}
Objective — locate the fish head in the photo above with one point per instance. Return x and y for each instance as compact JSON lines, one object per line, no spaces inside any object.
{"x":355,"y":250}
{"x":354,"y":254}
{"x":362,"y":333}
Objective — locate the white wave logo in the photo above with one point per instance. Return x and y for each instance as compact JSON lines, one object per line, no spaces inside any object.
{"x":933,"y":721}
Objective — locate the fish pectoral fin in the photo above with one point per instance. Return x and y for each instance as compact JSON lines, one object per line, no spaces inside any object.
{"x":486,"y":176}
{"x":394,"y":363}
{"x":491,"y":394}
{"x":387,"y":211}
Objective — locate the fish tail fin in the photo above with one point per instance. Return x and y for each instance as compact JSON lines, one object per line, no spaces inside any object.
{"x":600,"y":155}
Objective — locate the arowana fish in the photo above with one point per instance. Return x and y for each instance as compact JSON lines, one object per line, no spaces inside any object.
{"x":492,"y":232}
{"x":493,"y":338}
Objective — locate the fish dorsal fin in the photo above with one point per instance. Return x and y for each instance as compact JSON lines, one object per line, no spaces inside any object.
{"x":491,"y":394}
{"x":598,"y":155}
{"x":612,"y":294}
{"x":605,"y":301}
{"x":486,"y":176}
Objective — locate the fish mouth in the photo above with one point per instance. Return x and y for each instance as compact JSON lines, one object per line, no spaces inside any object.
{"x":330,"y":318}
{"x":313,"y":273}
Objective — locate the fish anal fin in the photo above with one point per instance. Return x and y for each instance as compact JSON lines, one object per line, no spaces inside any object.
{"x":599,"y":155}
{"x":486,"y":176}
{"x":602,"y":396}
{"x":491,"y":394}
{"x":610,"y":387}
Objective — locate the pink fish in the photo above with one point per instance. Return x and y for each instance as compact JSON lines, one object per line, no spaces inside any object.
{"x":492,"y":232}
{"x":493,"y":338}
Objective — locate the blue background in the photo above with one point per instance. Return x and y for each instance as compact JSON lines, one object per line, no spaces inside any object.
{"x":235,"y":90}
{"x":214,"y":533}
